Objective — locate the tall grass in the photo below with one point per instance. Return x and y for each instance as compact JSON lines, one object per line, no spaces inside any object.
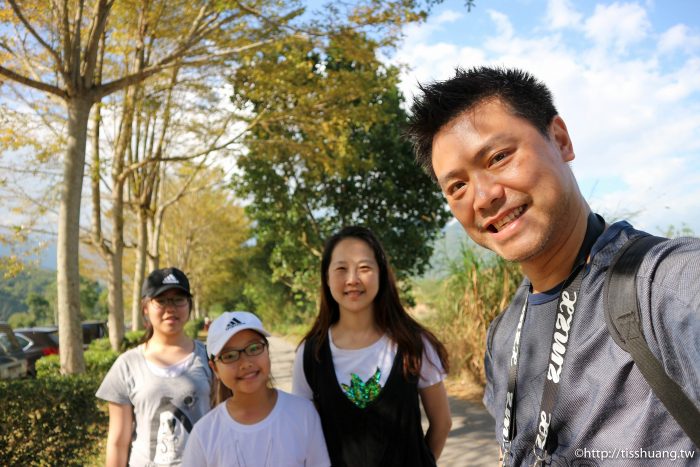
{"x":462,"y":304}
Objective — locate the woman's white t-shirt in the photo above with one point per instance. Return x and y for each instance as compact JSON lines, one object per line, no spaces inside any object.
{"x":367,"y":366}
{"x":290,"y":436}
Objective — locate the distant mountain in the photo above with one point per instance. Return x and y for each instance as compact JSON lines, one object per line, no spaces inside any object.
{"x":448,"y":248}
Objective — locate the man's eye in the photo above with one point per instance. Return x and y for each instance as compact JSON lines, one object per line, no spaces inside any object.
{"x":455,"y":187}
{"x":499,"y":157}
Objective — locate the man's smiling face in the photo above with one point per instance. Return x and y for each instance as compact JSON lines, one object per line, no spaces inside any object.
{"x":508,"y":185}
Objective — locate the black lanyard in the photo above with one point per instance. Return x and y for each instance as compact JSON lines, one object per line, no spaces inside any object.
{"x":561,"y":334}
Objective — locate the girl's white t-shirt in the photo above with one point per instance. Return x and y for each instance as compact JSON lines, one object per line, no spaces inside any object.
{"x":290,"y":436}
{"x":366,"y":364}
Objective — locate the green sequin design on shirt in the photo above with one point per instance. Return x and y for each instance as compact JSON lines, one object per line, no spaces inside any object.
{"x":362,"y":393}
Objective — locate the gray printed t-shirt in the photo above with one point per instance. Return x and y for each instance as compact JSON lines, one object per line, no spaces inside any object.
{"x":604,"y":402}
{"x":165,"y":408}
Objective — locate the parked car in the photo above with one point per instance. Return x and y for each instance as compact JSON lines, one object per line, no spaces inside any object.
{"x":93,"y":330}
{"x":37,"y":342}
{"x":13,"y":362}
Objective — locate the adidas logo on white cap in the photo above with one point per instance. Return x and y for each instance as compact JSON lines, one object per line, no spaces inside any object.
{"x":233,"y":323}
{"x":170,"y":279}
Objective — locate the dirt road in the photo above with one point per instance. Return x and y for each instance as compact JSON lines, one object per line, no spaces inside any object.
{"x":470,"y":443}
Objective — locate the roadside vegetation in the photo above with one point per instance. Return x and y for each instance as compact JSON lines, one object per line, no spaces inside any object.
{"x":461,"y":304}
{"x":56,"y":419}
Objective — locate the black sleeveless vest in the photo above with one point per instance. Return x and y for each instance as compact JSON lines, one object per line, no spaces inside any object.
{"x":386,"y":433}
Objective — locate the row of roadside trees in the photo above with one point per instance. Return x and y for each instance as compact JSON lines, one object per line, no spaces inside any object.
{"x":180,"y":114}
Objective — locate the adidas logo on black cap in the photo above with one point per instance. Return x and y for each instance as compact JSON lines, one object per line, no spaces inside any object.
{"x":170,"y":279}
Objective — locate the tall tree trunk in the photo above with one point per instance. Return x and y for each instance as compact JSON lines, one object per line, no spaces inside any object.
{"x":153,"y":260}
{"x":196,"y":313}
{"x":70,"y":333}
{"x":115,"y":300}
{"x":156,"y":231}
{"x":116,"y":289}
{"x":139,"y":268}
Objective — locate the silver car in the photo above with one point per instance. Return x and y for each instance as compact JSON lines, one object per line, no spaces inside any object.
{"x":13,"y":362}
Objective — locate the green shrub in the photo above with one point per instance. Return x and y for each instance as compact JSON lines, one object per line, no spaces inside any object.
{"x":48,"y":366}
{"x":97,"y":363}
{"x":101,"y":343}
{"x":51,"y":420}
{"x":193,"y":326}
{"x":132,"y":339}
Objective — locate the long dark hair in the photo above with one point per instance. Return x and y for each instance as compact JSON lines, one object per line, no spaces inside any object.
{"x":389,"y":314}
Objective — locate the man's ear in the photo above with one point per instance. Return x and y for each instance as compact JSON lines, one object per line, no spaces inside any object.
{"x":560,"y":137}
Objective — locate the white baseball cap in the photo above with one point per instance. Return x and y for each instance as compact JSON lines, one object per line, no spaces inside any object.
{"x":227,"y":325}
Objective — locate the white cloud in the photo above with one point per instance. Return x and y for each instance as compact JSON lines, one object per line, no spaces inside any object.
{"x":618,"y":25}
{"x":561,"y":14}
{"x":679,"y":37}
{"x":633,"y":116}
{"x":504,"y":28}
{"x":418,"y":32}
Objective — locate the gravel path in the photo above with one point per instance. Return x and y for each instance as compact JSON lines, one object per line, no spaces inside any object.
{"x":470,"y":443}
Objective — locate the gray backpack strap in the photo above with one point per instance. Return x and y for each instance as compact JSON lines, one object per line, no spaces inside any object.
{"x":624,"y":324}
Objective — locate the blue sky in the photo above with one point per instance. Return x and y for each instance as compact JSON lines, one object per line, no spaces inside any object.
{"x":625,"y":78}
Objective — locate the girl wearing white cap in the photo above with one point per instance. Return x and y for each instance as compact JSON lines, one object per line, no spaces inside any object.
{"x":163,"y":385}
{"x":254,"y":425}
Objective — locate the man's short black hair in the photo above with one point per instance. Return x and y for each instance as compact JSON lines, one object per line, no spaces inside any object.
{"x":442,"y":101}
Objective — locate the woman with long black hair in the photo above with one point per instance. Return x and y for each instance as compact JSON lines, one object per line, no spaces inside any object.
{"x":366,"y":363}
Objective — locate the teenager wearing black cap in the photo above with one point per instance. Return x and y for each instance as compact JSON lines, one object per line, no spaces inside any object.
{"x":163,"y":384}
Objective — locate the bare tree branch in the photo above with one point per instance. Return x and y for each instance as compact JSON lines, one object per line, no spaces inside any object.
{"x":97,"y":28}
{"x":137,"y":165}
{"x":32,"y":83}
{"x":166,"y":63}
{"x":65,"y":25}
{"x":15,"y":228}
{"x":280,"y":24}
{"x":34,"y":33}
{"x":73,"y":84}
{"x":6,"y":168}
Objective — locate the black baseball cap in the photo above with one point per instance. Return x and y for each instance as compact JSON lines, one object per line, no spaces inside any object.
{"x":162,"y":280}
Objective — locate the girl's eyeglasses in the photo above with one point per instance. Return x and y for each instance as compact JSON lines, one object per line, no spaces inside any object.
{"x":177,"y":302}
{"x":232,"y":355}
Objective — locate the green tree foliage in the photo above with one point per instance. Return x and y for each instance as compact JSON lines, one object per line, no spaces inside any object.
{"x":327,"y":153}
{"x":22,"y":320}
{"x":15,"y":291}
{"x":92,"y":304}
{"x":274,"y":302}
{"x":29,"y":298}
